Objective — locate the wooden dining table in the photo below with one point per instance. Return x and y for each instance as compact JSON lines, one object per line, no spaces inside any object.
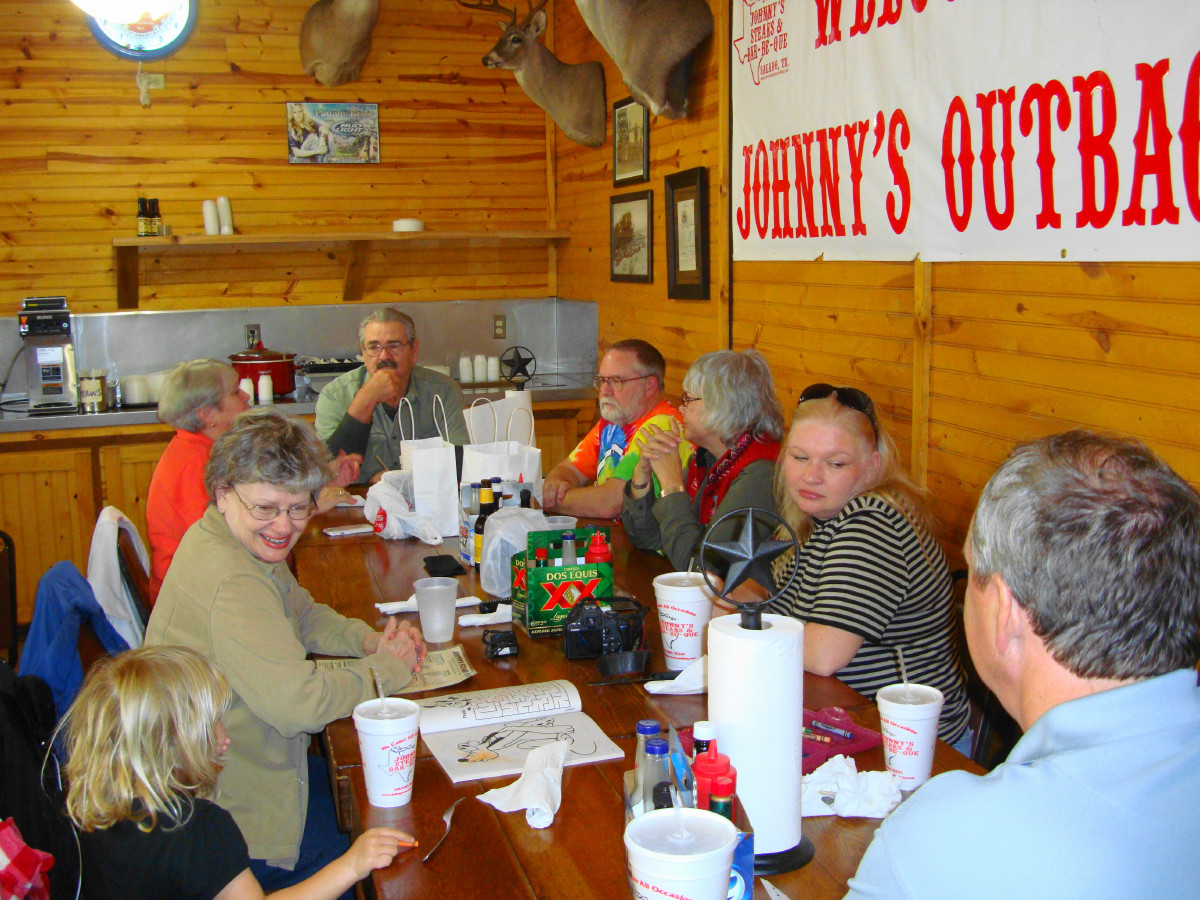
{"x":498,"y":855}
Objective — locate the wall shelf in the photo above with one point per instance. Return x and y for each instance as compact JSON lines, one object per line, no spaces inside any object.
{"x":126,"y":250}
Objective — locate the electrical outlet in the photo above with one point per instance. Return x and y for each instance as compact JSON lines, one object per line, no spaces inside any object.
{"x":253,"y":335}
{"x":499,"y":327}
{"x":154,"y":82}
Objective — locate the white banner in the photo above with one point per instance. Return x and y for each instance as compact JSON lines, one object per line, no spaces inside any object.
{"x":966,"y":129}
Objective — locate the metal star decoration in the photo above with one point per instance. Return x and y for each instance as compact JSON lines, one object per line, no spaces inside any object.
{"x":516,"y":364}
{"x":749,"y":557}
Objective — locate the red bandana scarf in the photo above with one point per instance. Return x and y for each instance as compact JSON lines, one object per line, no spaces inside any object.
{"x":717,"y":479}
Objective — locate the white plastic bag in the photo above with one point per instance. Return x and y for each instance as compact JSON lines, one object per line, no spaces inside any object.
{"x":505,"y":533}
{"x":390,"y":511}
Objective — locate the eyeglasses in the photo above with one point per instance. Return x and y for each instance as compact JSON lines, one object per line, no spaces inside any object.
{"x":297,"y":513}
{"x":616,"y":382}
{"x":686,"y":398}
{"x":375,"y":348}
{"x":851,"y":398}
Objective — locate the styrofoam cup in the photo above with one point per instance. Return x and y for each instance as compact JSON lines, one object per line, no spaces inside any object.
{"x":908,"y":715}
{"x":684,"y":608}
{"x":561,"y":523}
{"x":435,"y":605}
{"x":387,"y":740}
{"x":661,"y":866}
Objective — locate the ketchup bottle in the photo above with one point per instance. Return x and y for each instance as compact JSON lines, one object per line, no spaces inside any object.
{"x":598,"y":550}
{"x":709,"y":765}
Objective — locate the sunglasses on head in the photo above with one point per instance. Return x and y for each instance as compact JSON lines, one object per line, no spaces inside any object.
{"x":851,"y":398}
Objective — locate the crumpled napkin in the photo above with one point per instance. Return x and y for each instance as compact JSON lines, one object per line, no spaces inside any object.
{"x":410,"y":605}
{"x":692,"y":680}
{"x":352,"y":500}
{"x":502,"y":615}
{"x":854,"y":793}
{"x":539,"y":789}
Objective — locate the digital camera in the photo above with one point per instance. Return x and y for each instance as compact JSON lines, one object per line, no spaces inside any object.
{"x":592,"y":629}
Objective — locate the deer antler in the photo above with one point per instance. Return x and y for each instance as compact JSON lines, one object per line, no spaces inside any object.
{"x":492,"y":6}
{"x":533,"y":11}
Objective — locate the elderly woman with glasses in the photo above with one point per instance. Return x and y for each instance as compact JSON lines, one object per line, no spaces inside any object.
{"x":230,"y":596}
{"x":870,"y":580}
{"x":731,"y":415}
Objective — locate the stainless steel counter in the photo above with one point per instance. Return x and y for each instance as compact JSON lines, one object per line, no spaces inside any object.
{"x":543,"y":389}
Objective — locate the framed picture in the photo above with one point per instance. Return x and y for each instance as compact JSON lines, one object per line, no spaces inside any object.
{"x":333,"y":132}
{"x":631,"y":142}
{"x":687,"y":235}
{"x":631,"y":237}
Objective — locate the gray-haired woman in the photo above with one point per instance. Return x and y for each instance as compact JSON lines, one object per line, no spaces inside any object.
{"x":732,"y":416}
{"x":200,"y":399}
{"x":230,"y":596}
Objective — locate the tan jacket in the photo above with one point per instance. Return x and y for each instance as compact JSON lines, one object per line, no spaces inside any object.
{"x":258,"y":625}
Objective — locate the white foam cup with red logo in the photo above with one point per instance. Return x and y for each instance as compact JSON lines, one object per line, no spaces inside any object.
{"x":387,"y":739}
{"x":692,"y":865}
{"x":684,"y":608}
{"x":908,"y":716}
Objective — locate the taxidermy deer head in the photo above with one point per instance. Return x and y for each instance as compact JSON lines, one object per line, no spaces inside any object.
{"x":572,"y":95}
{"x":651,"y":41}
{"x":335,"y":39}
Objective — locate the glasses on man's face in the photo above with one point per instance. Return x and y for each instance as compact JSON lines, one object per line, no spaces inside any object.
{"x":298,"y":513}
{"x":851,"y":398}
{"x":616,"y":382}
{"x":687,"y":398}
{"x":374,"y":348}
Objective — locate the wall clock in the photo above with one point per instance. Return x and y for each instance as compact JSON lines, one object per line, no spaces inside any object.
{"x":147,"y":38}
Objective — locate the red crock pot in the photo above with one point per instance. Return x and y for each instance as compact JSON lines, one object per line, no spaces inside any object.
{"x":259,"y":361}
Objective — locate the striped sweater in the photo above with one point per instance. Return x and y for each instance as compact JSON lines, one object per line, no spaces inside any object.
{"x":865,"y":571}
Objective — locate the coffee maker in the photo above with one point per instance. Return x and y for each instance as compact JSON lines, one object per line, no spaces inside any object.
{"x":45,"y":324}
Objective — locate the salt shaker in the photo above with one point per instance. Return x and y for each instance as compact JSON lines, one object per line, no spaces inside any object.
{"x":266,"y":390}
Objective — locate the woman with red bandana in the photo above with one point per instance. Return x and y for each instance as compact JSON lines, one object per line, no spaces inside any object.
{"x":732,"y":416}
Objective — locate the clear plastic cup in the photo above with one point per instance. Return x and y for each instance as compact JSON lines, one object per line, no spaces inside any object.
{"x":387,"y":740}
{"x":435,"y":604}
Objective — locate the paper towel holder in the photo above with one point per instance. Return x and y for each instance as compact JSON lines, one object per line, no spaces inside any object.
{"x":748,"y":558}
{"x":751,"y":558}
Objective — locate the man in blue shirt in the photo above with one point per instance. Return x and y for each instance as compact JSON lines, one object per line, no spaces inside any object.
{"x":1083,"y":615}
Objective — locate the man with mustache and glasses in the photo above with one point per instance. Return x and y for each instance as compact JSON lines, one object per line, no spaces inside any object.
{"x":357,"y":411}
{"x":591,"y":480}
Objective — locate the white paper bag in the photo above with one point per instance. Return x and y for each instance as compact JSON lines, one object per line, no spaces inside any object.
{"x":431,"y":461}
{"x":510,"y":419}
{"x":510,"y":460}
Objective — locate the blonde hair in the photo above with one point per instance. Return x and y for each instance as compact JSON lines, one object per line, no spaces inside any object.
{"x":891,"y":484}
{"x":140,"y":739}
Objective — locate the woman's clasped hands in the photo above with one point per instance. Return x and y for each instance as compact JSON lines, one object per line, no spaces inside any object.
{"x":401,"y":640}
{"x":658,"y":453}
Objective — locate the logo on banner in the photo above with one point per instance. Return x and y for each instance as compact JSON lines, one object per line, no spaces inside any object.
{"x":763,"y":44}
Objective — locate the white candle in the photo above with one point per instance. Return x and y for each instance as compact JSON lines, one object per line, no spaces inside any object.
{"x":225,"y":215}
{"x":465,"y":373}
{"x":211,"y":222}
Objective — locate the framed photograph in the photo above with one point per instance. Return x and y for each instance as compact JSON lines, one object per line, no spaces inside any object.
{"x":631,"y":237}
{"x":631,"y":142}
{"x":687,"y":235}
{"x":333,"y":132}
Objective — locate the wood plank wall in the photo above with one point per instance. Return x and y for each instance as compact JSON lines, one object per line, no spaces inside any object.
{"x":963,"y":360}
{"x":462,"y":148}
{"x":681,"y":329}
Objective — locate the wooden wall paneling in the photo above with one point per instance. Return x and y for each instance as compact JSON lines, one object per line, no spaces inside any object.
{"x":48,"y":506}
{"x":922,"y":336}
{"x":128,"y":469}
{"x":462,"y":148}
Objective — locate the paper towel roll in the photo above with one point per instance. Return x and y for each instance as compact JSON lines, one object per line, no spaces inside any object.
{"x":756,"y":701}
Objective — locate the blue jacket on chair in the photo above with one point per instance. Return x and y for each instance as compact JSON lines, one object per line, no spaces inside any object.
{"x":64,"y":600}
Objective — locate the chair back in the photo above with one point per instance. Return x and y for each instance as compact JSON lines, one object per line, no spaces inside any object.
{"x":9,"y":635}
{"x":135,"y":576}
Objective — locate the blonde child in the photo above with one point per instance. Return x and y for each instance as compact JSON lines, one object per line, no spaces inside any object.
{"x":145,"y":740}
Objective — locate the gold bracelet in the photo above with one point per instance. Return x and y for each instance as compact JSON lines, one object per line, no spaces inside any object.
{"x":673,"y":490}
